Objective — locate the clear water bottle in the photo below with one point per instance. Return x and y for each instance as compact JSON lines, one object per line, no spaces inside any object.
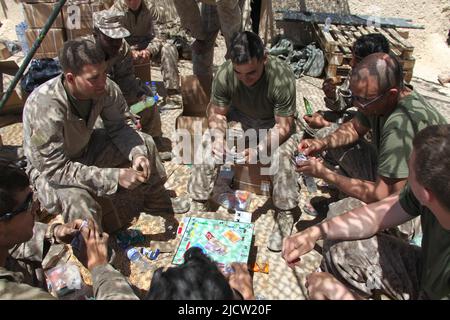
{"x":20,"y":32}
{"x":138,"y":259}
{"x":153,"y":89}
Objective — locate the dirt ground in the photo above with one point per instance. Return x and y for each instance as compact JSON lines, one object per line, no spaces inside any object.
{"x":281,"y":282}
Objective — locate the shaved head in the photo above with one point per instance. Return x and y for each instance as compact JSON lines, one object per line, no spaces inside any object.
{"x":377,"y":73}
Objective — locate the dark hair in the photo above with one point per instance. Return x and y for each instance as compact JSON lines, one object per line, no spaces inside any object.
{"x":198,"y":278}
{"x":12,"y":180}
{"x":370,"y":43}
{"x":77,"y":53}
{"x":432,"y":165}
{"x":245,"y":46}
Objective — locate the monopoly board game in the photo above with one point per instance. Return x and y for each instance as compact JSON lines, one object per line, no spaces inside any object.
{"x":223,"y":241}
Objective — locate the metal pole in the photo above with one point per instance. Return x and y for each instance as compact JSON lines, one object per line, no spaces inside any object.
{"x":32,"y":51}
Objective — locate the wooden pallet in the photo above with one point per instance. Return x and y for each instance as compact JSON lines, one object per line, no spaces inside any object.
{"x":337,"y":44}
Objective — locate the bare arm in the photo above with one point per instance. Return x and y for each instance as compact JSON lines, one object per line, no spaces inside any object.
{"x":364,"y":190}
{"x":361,"y":223}
{"x":281,"y":130}
{"x":217,"y":117}
{"x":346,"y":134}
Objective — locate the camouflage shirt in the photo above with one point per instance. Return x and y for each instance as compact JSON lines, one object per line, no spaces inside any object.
{"x":54,"y":137}
{"x":108,"y":283}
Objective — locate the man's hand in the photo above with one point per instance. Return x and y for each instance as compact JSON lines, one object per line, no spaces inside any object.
{"x":329,"y":88}
{"x":299,"y":244}
{"x":94,"y":248}
{"x":312,"y":167}
{"x":142,"y":164}
{"x":135,"y":55}
{"x":312,"y":146}
{"x":65,"y":233}
{"x":241,"y":280}
{"x":145,"y":55}
{"x":323,"y":286}
{"x":251,"y":155}
{"x":130,"y":178}
{"x":316,"y":121}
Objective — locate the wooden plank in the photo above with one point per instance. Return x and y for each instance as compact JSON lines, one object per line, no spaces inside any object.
{"x":408,"y":64}
{"x":331,"y":71}
{"x":391,"y":40}
{"x":363,"y":30}
{"x":396,"y":52}
{"x":399,"y":38}
{"x":335,"y":58}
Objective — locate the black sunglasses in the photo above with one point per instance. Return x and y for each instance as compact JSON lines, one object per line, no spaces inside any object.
{"x":25,"y":206}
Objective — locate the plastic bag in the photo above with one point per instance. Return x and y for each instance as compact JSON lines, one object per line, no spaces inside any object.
{"x":40,"y":71}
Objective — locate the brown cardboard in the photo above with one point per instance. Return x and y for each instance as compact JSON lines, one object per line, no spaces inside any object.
{"x":143,"y":71}
{"x":248,"y":177}
{"x":195,"y":92}
{"x":4,"y":52}
{"x":86,"y":9}
{"x":53,"y":41}
{"x":77,"y":33}
{"x":12,"y":106}
{"x":189,"y":124}
{"x":37,"y":14}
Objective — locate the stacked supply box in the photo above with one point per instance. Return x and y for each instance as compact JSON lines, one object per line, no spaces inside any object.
{"x":74,"y":21}
{"x":36,"y":15}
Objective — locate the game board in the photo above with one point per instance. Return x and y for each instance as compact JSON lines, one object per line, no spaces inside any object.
{"x":223,"y":241}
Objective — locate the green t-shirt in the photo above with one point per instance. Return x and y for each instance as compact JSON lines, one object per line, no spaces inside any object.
{"x":393,"y":134}
{"x":273,"y":95}
{"x":435,"y":279}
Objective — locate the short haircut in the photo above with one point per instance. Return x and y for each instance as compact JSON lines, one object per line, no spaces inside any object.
{"x":385,"y":67}
{"x":432,"y":165}
{"x":12,"y":181}
{"x":245,"y":46}
{"x":198,"y":278}
{"x":77,"y":53}
{"x":370,"y":43}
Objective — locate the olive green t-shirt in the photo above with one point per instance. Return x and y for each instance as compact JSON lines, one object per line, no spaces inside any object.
{"x":273,"y":95}
{"x":393,"y":134}
{"x":435,"y":279}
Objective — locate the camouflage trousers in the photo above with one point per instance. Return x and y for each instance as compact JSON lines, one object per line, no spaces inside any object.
{"x":359,"y":161}
{"x":283,"y":175}
{"x":381,"y":265}
{"x":223,"y":14}
{"x":77,"y":203}
{"x":167,"y":55}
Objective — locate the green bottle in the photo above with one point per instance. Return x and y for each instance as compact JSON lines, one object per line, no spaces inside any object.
{"x":141,"y":105}
{"x":308,"y":107}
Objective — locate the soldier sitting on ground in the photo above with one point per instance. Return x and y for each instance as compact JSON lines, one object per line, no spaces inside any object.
{"x":109,"y":35}
{"x":70,"y":162}
{"x":24,"y":244}
{"x":146,"y":41}
{"x":257,"y":91}
{"x":394,"y":113}
{"x":380,"y":264}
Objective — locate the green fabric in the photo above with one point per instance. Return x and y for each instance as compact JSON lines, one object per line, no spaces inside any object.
{"x":81,"y":107}
{"x":273,"y":94}
{"x":393,"y":134}
{"x":435,"y":279}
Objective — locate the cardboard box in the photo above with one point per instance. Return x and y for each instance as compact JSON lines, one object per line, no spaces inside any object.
{"x":53,"y":41}
{"x":84,"y":9}
{"x":248,"y":177}
{"x":37,"y":14}
{"x":4,"y":52}
{"x":77,"y":33}
{"x":195,"y":92}
{"x":194,"y":127}
{"x":13,"y":106}
{"x":143,"y":71}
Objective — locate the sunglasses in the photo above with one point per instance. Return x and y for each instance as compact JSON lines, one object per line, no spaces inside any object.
{"x":24,"y":207}
{"x":363,"y":103}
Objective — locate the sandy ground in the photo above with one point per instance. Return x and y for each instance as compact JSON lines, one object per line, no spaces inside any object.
{"x":281,"y":282}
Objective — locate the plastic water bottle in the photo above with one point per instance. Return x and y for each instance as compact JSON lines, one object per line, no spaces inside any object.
{"x":138,"y":259}
{"x":141,"y":105}
{"x":153,"y":89}
{"x":20,"y":32}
